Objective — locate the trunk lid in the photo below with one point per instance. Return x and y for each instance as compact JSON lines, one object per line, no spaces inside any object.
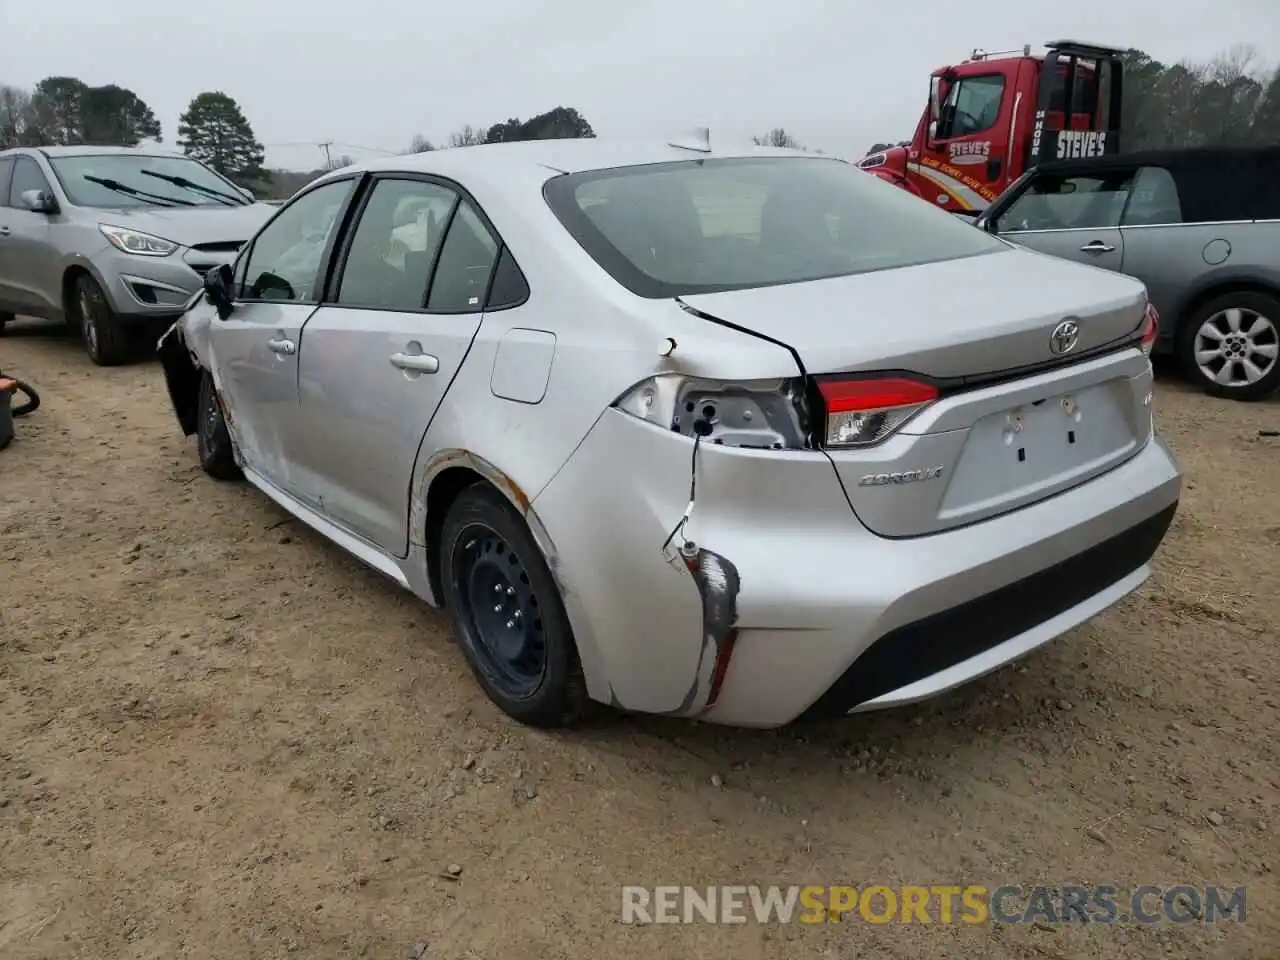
{"x":960,"y":318}
{"x":991,"y":444}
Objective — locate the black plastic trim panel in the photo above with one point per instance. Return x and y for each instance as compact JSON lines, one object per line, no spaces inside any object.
{"x":928,"y":646}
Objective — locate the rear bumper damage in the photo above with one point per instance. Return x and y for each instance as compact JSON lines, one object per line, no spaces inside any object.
{"x":782,"y":605}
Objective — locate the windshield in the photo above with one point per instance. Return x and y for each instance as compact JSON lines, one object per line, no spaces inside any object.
{"x":145,"y":174}
{"x":698,"y":226}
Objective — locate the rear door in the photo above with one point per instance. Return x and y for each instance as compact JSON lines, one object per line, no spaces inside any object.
{"x":255,"y":350}
{"x":1075,"y":216}
{"x":379,"y":355}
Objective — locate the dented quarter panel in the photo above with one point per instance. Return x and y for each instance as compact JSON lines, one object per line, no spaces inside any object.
{"x":606,"y":341}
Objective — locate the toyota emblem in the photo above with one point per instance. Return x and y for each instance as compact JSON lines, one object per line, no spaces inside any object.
{"x":1064,"y":338}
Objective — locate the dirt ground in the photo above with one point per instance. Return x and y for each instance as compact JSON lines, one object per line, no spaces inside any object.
{"x":222,"y":737}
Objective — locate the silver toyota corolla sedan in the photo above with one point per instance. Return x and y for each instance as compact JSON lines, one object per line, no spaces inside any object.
{"x":745,"y":435}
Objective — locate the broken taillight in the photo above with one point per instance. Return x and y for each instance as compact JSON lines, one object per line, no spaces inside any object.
{"x":1150,"y":328}
{"x":761,"y":414}
{"x":864,"y":411}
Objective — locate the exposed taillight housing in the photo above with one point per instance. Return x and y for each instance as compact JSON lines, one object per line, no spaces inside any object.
{"x":1150,"y":328}
{"x":757,"y":414}
{"x":863,"y":411}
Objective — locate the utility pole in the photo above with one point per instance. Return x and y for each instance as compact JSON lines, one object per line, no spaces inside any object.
{"x":325,"y":147}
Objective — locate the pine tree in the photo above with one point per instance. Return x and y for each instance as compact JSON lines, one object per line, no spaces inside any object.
{"x":215,"y":132}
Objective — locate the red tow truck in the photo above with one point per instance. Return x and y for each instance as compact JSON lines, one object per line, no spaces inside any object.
{"x":997,"y":115}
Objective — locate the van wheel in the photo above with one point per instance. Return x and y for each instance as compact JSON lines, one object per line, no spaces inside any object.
{"x":507,"y":612}
{"x":1231,"y":345}
{"x":104,"y":341}
{"x":213,"y":439}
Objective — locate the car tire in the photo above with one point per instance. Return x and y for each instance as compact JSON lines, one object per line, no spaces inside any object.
{"x":104,"y":340}
{"x":507,"y":612}
{"x":4,"y":321}
{"x":1226,"y":331}
{"x":213,"y":439}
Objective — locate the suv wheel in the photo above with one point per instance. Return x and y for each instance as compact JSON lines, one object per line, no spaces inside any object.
{"x":507,"y":612}
{"x":104,"y":340}
{"x":1231,"y":345}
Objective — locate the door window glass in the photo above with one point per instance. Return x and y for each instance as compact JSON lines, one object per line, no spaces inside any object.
{"x":972,"y":105}
{"x":509,"y":287}
{"x":286,"y":260}
{"x":394,"y":245}
{"x":1069,"y":203}
{"x":26,"y":176}
{"x":1154,"y":199}
{"x":466,"y":262}
{"x":6,"y":168}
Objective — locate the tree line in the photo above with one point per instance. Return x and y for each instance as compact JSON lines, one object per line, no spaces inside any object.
{"x":66,"y":111}
{"x":213,"y":128}
{"x":1231,"y":100}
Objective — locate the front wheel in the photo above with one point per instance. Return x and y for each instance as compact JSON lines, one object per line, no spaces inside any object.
{"x":1231,"y":345}
{"x":507,"y":612}
{"x":213,"y":439}
{"x":104,"y":340}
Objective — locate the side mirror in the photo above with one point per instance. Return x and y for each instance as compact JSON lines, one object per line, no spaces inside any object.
{"x":39,"y":201}
{"x":217,"y":289}
{"x":249,"y":194}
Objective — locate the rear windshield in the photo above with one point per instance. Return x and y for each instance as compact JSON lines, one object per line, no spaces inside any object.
{"x":699,"y":226}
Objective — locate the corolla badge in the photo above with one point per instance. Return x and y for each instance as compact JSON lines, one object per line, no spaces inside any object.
{"x":902,"y":476}
{"x":1064,"y":338}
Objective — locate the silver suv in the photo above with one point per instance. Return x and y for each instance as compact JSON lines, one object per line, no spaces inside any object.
{"x":113,"y":240}
{"x":1200,"y":227}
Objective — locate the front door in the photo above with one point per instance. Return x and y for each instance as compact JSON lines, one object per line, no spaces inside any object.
{"x":255,"y":350}
{"x":30,"y":271}
{"x":377,"y":360}
{"x":1073,"y":216}
{"x":966,"y":160}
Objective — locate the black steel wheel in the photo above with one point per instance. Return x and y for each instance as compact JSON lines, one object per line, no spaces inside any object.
{"x":507,"y":611}
{"x":213,"y":439}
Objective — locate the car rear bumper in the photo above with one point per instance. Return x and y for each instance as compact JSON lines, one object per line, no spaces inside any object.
{"x":813,"y":615}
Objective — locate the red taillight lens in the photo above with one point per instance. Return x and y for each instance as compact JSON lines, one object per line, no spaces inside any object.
{"x":864,"y":411}
{"x":1150,"y":327}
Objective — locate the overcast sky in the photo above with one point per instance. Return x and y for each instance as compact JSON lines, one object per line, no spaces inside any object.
{"x":837,"y":74}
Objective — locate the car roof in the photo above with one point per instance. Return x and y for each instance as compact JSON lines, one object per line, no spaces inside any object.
{"x":1183,"y":157}
{"x":92,"y":150}
{"x":570,"y":155}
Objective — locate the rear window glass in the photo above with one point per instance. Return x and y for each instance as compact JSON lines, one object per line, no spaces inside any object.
{"x":697,"y":226}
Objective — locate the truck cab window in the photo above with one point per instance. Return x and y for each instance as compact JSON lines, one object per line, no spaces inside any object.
{"x":972,"y":105}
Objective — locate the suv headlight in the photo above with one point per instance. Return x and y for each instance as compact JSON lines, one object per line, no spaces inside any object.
{"x":133,"y":241}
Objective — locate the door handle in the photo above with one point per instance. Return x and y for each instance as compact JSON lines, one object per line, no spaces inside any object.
{"x":285,"y":348}
{"x":1097,"y":246}
{"x":4,"y":231}
{"x":417,"y":362}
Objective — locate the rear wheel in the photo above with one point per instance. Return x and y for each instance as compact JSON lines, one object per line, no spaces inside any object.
{"x":104,"y":340}
{"x":1231,"y":345}
{"x":507,"y":612}
{"x":213,"y":439}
